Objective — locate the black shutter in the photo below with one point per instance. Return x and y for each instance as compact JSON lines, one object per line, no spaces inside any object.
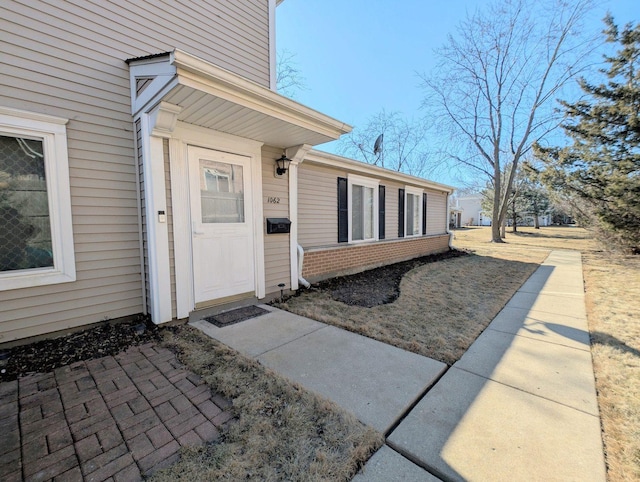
{"x":424,"y":213}
{"x":381,"y":207}
{"x":343,"y":211}
{"x":401,"y":213}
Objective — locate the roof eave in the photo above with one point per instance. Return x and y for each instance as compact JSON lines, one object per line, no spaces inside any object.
{"x":180,"y":70}
{"x":235,"y":88}
{"x":325,"y":158}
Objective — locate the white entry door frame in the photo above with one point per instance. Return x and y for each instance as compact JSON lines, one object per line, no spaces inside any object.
{"x":184,"y":138}
{"x":221,"y":224}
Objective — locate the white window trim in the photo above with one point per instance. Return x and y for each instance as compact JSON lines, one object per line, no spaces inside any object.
{"x":366,"y":182}
{"x":53,"y":132}
{"x":410,"y":190}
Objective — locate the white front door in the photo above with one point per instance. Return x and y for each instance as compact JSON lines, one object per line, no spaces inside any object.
{"x":222,"y":225}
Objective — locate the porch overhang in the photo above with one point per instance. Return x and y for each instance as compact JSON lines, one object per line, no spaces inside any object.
{"x":214,"y":98}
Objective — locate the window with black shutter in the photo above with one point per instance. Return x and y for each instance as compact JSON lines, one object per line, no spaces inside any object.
{"x":424,"y":213}
{"x":343,"y":210}
{"x":381,"y":212}
{"x":401,"y":213}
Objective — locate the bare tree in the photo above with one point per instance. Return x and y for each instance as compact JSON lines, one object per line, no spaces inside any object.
{"x":289,"y":79}
{"x":495,"y":86}
{"x":401,"y":147}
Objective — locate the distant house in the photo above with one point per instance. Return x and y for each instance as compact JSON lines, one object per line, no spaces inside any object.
{"x":455,"y":213}
{"x":138,"y":151}
{"x":529,"y":220}
{"x":469,"y":212}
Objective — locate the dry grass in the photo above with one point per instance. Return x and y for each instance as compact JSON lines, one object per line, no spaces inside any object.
{"x":613,"y":308}
{"x":282,"y":431}
{"x":442,"y":307}
{"x":546,"y":238}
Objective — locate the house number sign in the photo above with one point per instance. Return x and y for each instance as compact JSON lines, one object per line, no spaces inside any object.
{"x":273,"y":200}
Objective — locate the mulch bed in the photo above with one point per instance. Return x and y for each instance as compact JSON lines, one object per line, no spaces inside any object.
{"x":377,"y":286}
{"x":47,"y":355}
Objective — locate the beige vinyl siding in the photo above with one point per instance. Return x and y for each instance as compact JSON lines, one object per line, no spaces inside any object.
{"x":233,"y":35}
{"x":67,"y":59}
{"x":436,"y":213}
{"x":317,"y":205}
{"x":276,"y":246}
{"x":107,"y":252}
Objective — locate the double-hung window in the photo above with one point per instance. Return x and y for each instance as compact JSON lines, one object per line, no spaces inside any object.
{"x":36,"y":239}
{"x":363,"y":209}
{"x":413,"y":211}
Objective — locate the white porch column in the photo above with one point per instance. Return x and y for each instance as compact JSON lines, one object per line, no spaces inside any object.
{"x":155,"y":126}
{"x":296,"y":154}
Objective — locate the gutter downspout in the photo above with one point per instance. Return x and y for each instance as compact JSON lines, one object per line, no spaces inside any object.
{"x":296,"y":154}
{"x":301,"y":280}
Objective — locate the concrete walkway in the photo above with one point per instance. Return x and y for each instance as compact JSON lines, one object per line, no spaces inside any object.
{"x":519,"y":405}
{"x":375,"y":381}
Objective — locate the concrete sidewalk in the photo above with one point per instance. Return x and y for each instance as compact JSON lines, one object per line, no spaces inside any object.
{"x":375,"y":381}
{"x":521,"y":403}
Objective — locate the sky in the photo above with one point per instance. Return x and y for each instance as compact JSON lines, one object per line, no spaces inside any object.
{"x":358,"y":57}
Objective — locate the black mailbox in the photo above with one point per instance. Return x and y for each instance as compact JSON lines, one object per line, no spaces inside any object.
{"x":278,"y":225}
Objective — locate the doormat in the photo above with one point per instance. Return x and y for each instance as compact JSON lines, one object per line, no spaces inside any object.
{"x":235,"y":316}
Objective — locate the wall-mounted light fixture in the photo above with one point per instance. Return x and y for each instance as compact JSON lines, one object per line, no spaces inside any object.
{"x":282,"y":164}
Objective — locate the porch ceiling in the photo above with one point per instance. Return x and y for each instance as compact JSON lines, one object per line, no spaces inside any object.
{"x":211,"y":97}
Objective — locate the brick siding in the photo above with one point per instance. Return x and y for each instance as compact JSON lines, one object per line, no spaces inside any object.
{"x":323,"y":263}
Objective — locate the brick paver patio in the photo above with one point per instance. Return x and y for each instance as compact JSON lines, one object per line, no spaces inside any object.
{"x":115,"y":418}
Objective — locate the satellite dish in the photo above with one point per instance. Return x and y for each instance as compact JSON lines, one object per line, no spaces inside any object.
{"x":377,"y":146}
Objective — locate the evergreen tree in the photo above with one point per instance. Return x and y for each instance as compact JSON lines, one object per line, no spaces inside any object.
{"x":533,"y":194}
{"x":601,"y":168}
{"x":528,"y":199}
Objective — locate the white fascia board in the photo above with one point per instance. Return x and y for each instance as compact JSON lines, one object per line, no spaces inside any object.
{"x":332,"y":160}
{"x":206,"y":77}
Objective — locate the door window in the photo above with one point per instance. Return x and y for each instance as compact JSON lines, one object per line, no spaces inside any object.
{"x":221,"y":192}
